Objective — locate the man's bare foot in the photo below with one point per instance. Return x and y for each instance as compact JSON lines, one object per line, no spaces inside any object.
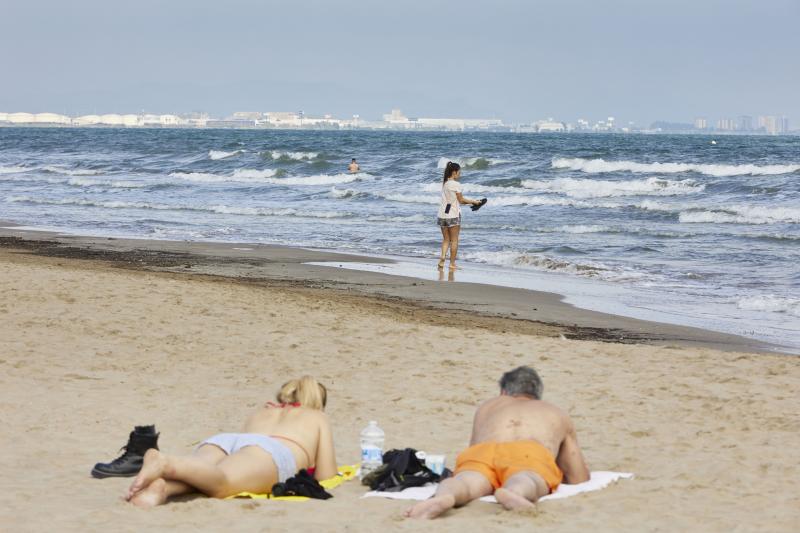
{"x":153,"y":468}
{"x":154,"y":494}
{"x":431,"y":508}
{"x":511,"y":500}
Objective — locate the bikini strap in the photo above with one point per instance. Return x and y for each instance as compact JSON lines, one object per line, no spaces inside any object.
{"x":287,"y":439}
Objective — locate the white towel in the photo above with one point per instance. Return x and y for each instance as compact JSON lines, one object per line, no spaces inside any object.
{"x":598,"y":480}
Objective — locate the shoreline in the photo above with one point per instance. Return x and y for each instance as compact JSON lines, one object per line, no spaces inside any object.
{"x":495,"y":307}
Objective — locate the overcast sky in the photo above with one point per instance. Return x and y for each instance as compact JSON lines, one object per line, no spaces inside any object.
{"x":519,"y":60}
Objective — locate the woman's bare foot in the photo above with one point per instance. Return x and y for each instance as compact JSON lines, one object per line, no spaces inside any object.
{"x":153,"y":468}
{"x":453,"y":267}
{"x":154,"y":494}
{"x":431,"y":508}
{"x":441,"y":264}
{"x":511,"y":500}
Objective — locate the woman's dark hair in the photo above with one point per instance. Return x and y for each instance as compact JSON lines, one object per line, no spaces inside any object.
{"x":450,"y":169}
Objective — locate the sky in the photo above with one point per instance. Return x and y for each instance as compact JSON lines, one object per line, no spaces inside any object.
{"x":518,"y":60}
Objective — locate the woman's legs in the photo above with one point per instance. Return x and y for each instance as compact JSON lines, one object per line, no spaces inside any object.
{"x":445,"y":246}
{"x":453,"y":232}
{"x":160,"y":490}
{"x":251,"y":469}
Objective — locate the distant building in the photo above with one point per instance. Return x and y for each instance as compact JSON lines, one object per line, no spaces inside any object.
{"x":726,"y":124}
{"x":247,"y":115}
{"x":783,"y":124}
{"x":283,"y":119}
{"x":701,"y":123}
{"x":745,"y":123}
{"x":549,"y":126}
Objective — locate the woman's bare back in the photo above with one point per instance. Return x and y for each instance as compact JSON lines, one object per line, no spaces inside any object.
{"x":299,"y":429}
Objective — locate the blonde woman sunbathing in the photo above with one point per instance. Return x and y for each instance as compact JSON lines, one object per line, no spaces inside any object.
{"x":277,"y":441}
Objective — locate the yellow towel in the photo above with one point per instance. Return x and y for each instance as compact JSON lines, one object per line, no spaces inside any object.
{"x":346,"y":473}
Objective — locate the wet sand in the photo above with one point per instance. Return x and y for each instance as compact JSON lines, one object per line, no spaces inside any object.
{"x":98,"y":335}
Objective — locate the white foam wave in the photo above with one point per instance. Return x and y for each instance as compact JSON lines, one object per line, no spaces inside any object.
{"x":742,"y":214}
{"x":117,"y":184}
{"x":595,"y":166}
{"x":245,"y":175}
{"x":13,"y":170}
{"x":770,"y":303}
{"x":343,"y":193}
{"x":472,"y":187}
{"x":220,"y":154}
{"x":296,"y":156}
{"x":220,"y":209}
{"x":400,"y":219}
{"x":494,"y":201}
{"x":322,"y":179}
{"x":588,"y":188}
{"x":581,"y":229}
{"x":469,"y":162}
{"x":72,"y":171}
{"x":541,"y":262}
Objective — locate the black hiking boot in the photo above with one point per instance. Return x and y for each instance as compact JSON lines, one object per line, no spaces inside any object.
{"x":141,"y":439}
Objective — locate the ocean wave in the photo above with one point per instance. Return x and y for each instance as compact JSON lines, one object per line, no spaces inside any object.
{"x":741,"y":214}
{"x":72,"y":171}
{"x":400,"y":219}
{"x":14,"y":169}
{"x":216,"y":155}
{"x":596,"y":166}
{"x":293,"y":156}
{"x":587,"y":188}
{"x":346,"y":193}
{"x":323,"y":179}
{"x":85,"y":182}
{"x":476,"y":163}
{"x":545,"y":263}
{"x":116,"y":184}
{"x":473,"y":187}
{"x":245,"y":175}
{"x":770,"y":303}
{"x":220,"y":209}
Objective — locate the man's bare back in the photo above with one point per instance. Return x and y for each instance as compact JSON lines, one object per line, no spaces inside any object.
{"x":518,"y":418}
{"x":521,"y":449}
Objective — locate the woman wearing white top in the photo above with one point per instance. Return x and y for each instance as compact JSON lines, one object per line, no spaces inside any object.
{"x":449,"y":217}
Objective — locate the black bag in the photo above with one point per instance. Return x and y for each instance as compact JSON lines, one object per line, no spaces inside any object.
{"x":302,"y":484}
{"x":401,"y":469}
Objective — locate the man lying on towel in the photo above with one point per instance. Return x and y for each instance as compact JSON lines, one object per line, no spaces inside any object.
{"x":521,"y":449}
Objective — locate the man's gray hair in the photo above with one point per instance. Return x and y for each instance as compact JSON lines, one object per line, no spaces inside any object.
{"x":522,"y":381}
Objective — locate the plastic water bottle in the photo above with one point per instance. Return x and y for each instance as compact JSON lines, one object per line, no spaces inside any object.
{"x":372,"y":438}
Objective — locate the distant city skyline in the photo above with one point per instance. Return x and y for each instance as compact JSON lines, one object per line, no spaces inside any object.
{"x":396,"y":120}
{"x":516,"y":61}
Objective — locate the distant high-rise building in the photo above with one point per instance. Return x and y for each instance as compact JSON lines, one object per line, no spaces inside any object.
{"x":783,"y":124}
{"x":700,"y":123}
{"x":745,"y":123}
{"x":768,"y":123}
{"x":726,"y":124}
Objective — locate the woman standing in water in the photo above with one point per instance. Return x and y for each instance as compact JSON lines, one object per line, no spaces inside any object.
{"x":449,"y":217}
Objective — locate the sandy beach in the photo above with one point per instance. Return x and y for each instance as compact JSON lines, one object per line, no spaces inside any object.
{"x":96,"y":337}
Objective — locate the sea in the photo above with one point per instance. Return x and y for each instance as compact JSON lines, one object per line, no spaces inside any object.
{"x":686,"y":229}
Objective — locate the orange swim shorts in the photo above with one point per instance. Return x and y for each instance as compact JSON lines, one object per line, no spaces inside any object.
{"x":498,"y":461}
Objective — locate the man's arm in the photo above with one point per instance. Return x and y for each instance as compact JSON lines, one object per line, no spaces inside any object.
{"x":570,"y":459}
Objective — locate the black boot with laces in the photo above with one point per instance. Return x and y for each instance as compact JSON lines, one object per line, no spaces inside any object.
{"x":141,"y":439}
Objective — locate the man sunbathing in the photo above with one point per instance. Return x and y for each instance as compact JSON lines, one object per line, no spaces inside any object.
{"x":521,"y":449}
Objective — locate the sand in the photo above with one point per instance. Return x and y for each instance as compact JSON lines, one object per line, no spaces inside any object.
{"x":88,"y":349}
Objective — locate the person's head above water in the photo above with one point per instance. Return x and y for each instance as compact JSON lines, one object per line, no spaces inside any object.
{"x":353,"y":160}
{"x":452,"y":170}
{"x":522,"y":381}
{"x":306,"y":391}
